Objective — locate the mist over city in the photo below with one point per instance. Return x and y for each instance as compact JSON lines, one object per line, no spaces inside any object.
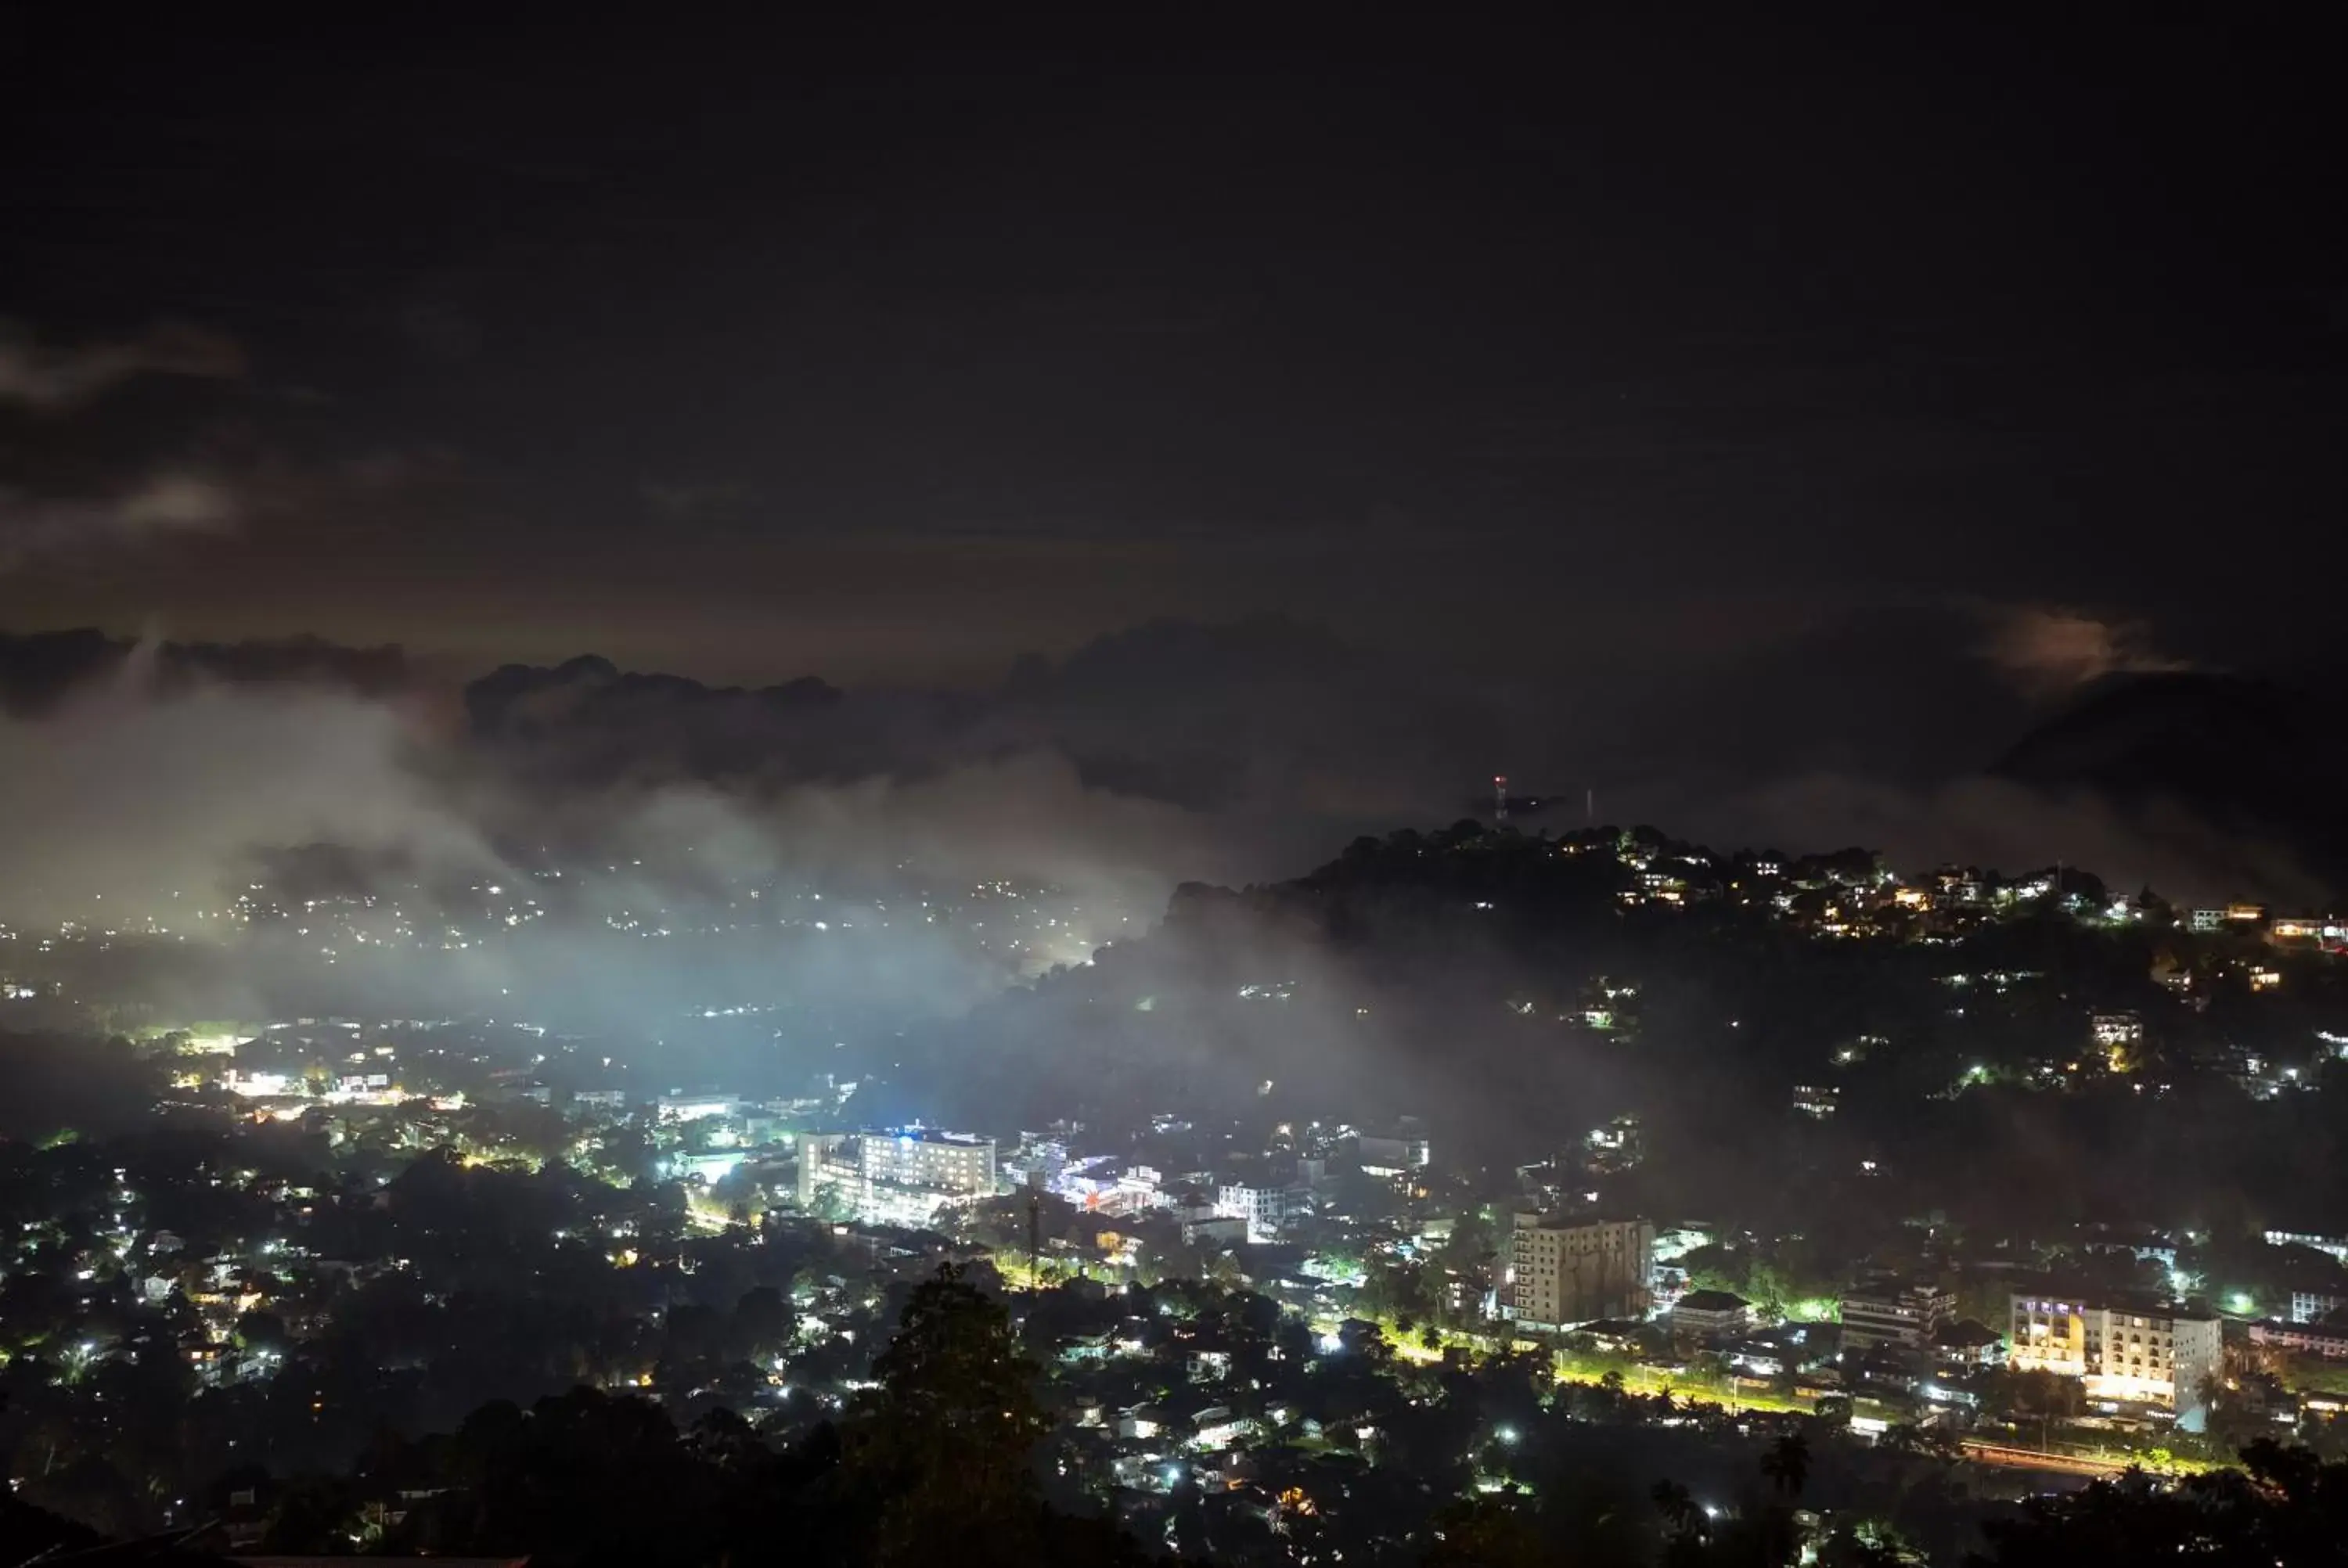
{"x":781,"y":791}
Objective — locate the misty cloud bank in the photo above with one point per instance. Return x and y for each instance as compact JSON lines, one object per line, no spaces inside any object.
{"x":168,"y":504}
{"x":133,"y":797}
{"x":158,"y":775}
{"x":49,"y":383}
{"x":143,"y":783}
{"x":1170,"y":752}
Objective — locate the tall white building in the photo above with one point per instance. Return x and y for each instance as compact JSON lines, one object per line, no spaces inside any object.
{"x":1268,"y":1211}
{"x":1563,"y":1271}
{"x":896,"y":1178}
{"x":2134,"y":1352}
{"x":958,"y":1162}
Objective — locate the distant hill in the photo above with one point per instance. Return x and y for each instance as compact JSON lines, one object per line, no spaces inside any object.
{"x":2244,"y":756}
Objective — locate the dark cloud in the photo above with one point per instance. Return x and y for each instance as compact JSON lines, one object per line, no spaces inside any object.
{"x":41,"y":670}
{"x":49,"y":379}
{"x":82,"y":490}
{"x":162,"y":506}
{"x":1280,"y":732}
{"x":2051,"y":651}
{"x":685,"y":503}
{"x":930,"y":357}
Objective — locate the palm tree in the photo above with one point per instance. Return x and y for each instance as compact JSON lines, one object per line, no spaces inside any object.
{"x":2238,"y":1361}
{"x":1788,"y":1464}
{"x":2211,"y":1388}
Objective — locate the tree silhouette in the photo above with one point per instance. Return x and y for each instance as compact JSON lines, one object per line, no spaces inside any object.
{"x":1788,"y":1464}
{"x":1484,"y":1533}
{"x":942,"y":1447}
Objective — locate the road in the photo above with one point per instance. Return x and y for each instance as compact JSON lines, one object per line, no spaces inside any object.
{"x":2032,"y":1459}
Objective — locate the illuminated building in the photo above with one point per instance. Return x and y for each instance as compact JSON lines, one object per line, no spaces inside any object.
{"x":2119,"y":1036}
{"x":1710,"y":1314}
{"x":2131,"y":1352}
{"x":2337,"y":1246}
{"x":1392,"y":1156}
{"x":1562,"y":1271}
{"x":1201,"y":1225}
{"x":899,"y":1177}
{"x":699,"y":1108}
{"x":1617,"y":1147}
{"x":2315,"y":1306}
{"x":1819,"y":1101}
{"x":2309,"y":1338}
{"x":925,"y":1157}
{"x":708,"y":1167}
{"x":1968,"y":1345}
{"x":1889,"y":1313}
{"x":1268,"y":1211}
{"x":1958,"y":884}
{"x":2329,"y":932}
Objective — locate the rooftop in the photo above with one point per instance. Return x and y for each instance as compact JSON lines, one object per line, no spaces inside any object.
{"x":918,"y":1135}
{"x":1711,"y":1301}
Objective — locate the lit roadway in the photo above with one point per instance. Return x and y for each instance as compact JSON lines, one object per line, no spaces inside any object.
{"x":2032,"y":1459}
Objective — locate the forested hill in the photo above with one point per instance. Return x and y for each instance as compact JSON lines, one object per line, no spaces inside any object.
{"x":1516,"y":991}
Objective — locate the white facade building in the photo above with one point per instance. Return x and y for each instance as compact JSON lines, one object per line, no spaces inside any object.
{"x":2315,"y":1306}
{"x":896,"y":1178}
{"x":2131,"y":1352}
{"x":1267,"y":1210}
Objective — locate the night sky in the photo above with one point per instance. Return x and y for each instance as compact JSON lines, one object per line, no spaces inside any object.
{"x":1598,"y":372}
